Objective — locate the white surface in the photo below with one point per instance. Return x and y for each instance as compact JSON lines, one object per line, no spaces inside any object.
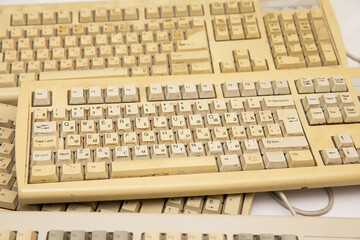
{"x":347,"y":199}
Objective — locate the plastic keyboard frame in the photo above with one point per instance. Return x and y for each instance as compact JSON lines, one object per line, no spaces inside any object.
{"x":319,"y":138}
{"x":220,"y":50}
{"x":304,"y":227}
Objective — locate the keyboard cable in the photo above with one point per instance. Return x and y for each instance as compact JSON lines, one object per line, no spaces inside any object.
{"x":281,"y":198}
{"x":352,"y":56}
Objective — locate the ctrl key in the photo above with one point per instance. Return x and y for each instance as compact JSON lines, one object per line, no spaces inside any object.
{"x":44,"y":173}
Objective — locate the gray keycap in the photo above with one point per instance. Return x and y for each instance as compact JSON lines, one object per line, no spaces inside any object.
{"x":99,"y":235}
{"x":56,"y":235}
{"x":289,"y":237}
{"x":122,"y":235}
{"x":79,"y":235}
{"x":244,"y":236}
{"x":267,"y":237}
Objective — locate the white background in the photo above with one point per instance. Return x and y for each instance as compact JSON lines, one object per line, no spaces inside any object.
{"x":347,"y":199}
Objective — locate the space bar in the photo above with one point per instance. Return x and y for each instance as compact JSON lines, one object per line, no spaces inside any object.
{"x":163,"y":166}
{"x":95,"y":73}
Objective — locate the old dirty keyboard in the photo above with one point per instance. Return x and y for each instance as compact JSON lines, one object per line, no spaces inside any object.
{"x":233,"y":204}
{"x":117,"y":226}
{"x":106,"y":39}
{"x":107,"y":139}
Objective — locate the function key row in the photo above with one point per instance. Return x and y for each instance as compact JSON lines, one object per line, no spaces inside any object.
{"x":193,"y":9}
{"x":37,"y":18}
{"x":87,"y":15}
{"x":112,"y":94}
{"x":174,"y":91}
{"x":248,"y":88}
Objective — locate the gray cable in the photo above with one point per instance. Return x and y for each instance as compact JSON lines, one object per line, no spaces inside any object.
{"x":352,"y":56}
{"x":281,"y":198}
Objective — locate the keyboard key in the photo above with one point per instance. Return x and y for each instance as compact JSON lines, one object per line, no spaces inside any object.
{"x":300,"y":158}
{"x":44,"y":173}
{"x":175,"y":166}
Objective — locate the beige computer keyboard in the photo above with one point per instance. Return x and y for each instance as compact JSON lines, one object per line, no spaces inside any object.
{"x":222,"y":204}
{"x":107,"y":139}
{"x":108,"y":39}
{"x":95,"y":226}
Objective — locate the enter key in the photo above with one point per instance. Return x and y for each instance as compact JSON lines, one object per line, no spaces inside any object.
{"x":289,"y":122}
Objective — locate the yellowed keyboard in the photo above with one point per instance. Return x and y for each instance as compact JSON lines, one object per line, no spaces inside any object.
{"x":233,"y":204}
{"x":158,"y":136}
{"x":108,"y":39}
{"x":117,"y":226}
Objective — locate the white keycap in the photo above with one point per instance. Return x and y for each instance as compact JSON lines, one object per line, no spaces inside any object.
{"x":214,"y":148}
{"x":236,"y":105}
{"x":305,"y":85}
{"x":338,"y":84}
{"x":121,"y":153}
{"x":172,"y":91}
{"x":64,"y":156}
{"x":42,"y":97}
{"x":311,"y":101}
{"x":42,"y":158}
{"x":206,"y":90}
{"x":231,"y":89}
{"x":196,"y":149}
{"x":96,"y":170}
{"x":114,"y":111}
{"x":149,"y":110}
{"x":251,"y":161}
{"x":280,"y":86}
{"x":141,"y":152}
{"x":316,"y":116}
{"x":155,"y":92}
{"x":349,"y":155}
{"x":274,"y":160}
{"x":328,"y":100}
{"x":218,"y":106}
{"x":184,"y":108}
{"x":321,"y":84}
{"x":45,"y":128}
{"x":177,"y":150}
{"x":103,"y":155}
{"x":83,"y":155}
{"x":77,"y":95}
{"x":247,"y":88}
{"x":95,"y":95}
{"x":159,"y":151}
{"x":232,"y":147}
{"x":250,"y":146}
{"x":112,"y":94}
{"x":229,"y":163}
{"x":264,"y":87}
{"x":130,"y":93}
{"x":189,"y":91}
{"x":331,"y":156}
{"x":343,"y":140}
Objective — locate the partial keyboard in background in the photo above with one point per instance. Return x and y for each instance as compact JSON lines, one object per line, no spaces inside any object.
{"x":203,"y":135}
{"x":103,"y":39}
{"x":73,"y":226}
{"x":222,"y":204}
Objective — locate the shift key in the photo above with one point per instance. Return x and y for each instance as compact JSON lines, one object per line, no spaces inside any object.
{"x":188,"y":57}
